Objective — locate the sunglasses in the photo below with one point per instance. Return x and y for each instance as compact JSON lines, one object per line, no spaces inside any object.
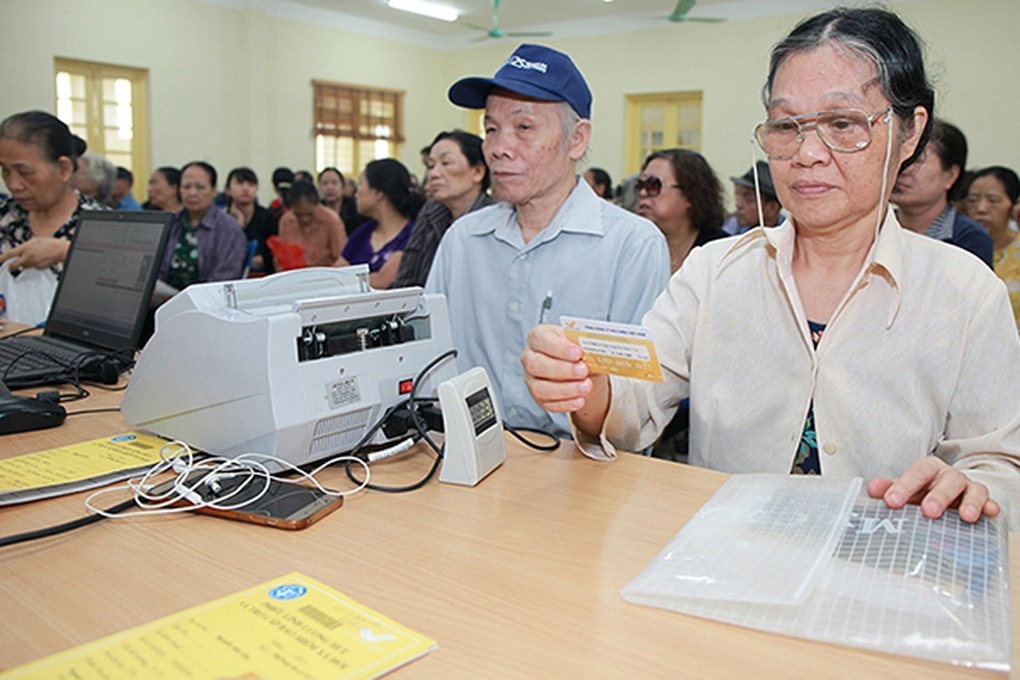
{"x":652,"y":186}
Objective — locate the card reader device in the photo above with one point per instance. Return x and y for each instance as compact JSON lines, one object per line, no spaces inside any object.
{"x":474,"y":428}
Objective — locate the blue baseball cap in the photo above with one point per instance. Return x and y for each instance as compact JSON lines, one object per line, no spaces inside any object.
{"x":534,"y":71}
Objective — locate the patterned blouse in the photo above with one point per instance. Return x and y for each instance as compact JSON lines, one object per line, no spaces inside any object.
{"x":15,"y":228}
{"x":1007,"y":266}
{"x":806,"y":461}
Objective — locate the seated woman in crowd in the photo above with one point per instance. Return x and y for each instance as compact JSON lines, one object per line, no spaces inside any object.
{"x":38,"y":157}
{"x":386,"y":197}
{"x":332,"y":188}
{"x":837,"y":343}
{"x":599,"y":180}
{"x":258,"y":223}
{"x":164,"y":190}
{"x":679,"y":192}
{"x":312,"y":226}
{"x":458,"y":182}
{"x":95,"y":178}
{"x":990,"y":198}
{"x":205,"y":243}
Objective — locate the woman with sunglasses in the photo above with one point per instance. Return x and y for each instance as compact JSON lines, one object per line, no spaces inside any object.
{"x":837,"y":343}
{"x":679,"y":192}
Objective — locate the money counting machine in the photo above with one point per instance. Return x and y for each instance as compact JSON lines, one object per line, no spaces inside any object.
{"x":299,"y":364}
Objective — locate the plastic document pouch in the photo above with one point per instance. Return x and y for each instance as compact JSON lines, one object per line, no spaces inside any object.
{"x":891,"y":581}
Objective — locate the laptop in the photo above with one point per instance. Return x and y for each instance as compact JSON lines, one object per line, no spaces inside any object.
{"x":98,"y":313}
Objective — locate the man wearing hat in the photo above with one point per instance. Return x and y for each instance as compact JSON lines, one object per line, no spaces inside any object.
{"x":746,"y":214}
{"x":552,"y":247}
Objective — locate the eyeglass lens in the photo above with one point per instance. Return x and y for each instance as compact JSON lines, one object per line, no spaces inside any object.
{"x":651,"y":185}
{"x":844,"y":130}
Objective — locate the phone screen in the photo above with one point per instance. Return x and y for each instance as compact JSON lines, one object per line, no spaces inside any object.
{"x":285,"y":504}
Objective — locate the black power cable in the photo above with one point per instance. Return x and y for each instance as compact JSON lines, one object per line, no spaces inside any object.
{"x":411,"y":404}
{"x":66,"y":526}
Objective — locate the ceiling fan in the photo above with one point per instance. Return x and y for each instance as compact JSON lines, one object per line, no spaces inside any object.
{"x":497,"y":32}
{"x":680,"y":13}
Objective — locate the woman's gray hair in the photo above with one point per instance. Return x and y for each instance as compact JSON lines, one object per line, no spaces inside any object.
{"x":882,"y":38}
{"x":103,"y":173}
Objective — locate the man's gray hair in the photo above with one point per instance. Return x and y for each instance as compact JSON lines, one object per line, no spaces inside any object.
{"x":569,"y":118}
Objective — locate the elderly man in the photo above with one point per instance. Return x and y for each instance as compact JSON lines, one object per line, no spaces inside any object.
{"x":553,"y":247}
{"x":923,"y":191}
{"x":746,"y":214}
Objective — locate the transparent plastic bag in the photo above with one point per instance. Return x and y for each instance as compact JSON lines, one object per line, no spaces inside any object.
{"x":26,"y":297}
{"x":892,"y":580}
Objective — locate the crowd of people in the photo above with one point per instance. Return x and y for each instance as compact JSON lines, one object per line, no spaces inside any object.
{"x":818,"y":328}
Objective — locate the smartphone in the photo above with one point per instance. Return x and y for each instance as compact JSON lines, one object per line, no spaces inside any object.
{"x":285,"y":505}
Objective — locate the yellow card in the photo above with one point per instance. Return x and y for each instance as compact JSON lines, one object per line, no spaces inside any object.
{"x":291,"y":627}
{"x":79,"y":462}
{"x":620,"y":349}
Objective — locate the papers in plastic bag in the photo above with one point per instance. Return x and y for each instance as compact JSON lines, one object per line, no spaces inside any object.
{"x":812,"y":558}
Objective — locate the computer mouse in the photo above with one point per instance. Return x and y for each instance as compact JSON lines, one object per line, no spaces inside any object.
{"x":21,"y":414}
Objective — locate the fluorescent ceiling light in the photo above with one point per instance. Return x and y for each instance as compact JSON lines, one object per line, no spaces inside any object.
{"x":426,"y":9}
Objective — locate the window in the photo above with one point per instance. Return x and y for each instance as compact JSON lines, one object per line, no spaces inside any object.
{"x":355,"y":125}
{"x":106,"y":105}
{"x":662,"y":121}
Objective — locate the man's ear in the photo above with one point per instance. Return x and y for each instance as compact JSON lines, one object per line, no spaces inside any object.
{"x":580,"y":139}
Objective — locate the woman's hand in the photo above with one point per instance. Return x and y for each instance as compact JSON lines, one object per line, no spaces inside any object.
{"x":36,"y":253}
{"x":560,"y":381}
{"x":936,"y":486}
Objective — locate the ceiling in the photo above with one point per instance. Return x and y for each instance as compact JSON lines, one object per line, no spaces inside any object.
{"x":564,"y":18}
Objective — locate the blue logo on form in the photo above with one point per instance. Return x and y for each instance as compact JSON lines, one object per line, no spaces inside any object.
{"x":287,"y":592}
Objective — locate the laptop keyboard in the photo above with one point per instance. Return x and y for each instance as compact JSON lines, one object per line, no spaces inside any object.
{"x":28,"y":358}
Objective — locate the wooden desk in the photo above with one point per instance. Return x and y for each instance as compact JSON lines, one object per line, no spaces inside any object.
{"x":519,"y":577}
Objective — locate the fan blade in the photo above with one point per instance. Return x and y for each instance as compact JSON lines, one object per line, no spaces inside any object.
{"x":528,"y":34}
{"x":683,"y":7}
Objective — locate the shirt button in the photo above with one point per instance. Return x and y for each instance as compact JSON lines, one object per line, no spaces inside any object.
{"x":829,"y":448}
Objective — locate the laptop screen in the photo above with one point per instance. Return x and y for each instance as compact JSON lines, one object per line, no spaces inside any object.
{"x":108,"y":278}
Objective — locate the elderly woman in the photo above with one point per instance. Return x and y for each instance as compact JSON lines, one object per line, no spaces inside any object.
{"x":164,"y":189}
{"x":312,"y":226}
{"x":38,"y":157}
{"x":458,"y":182}
{"x":95,"y":178}
{"x":837,"y":343}
{"x":205,"y":243}
{"x":680,"y":193}
{"x":991,"y":195}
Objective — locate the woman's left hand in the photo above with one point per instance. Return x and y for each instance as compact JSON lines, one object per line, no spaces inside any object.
{"x":936,"y":486}
{"x":37,"y":253}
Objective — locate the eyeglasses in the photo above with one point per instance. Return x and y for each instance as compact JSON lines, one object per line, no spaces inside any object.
{"x":842,"y":130}
{"x":652,"y":186}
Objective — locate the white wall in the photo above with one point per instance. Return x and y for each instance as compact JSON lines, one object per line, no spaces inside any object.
{"x":233,"y":86}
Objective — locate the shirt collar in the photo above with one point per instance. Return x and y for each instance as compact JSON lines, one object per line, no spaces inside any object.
{"x":884,"y":260}
{"x":580,"y":213}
